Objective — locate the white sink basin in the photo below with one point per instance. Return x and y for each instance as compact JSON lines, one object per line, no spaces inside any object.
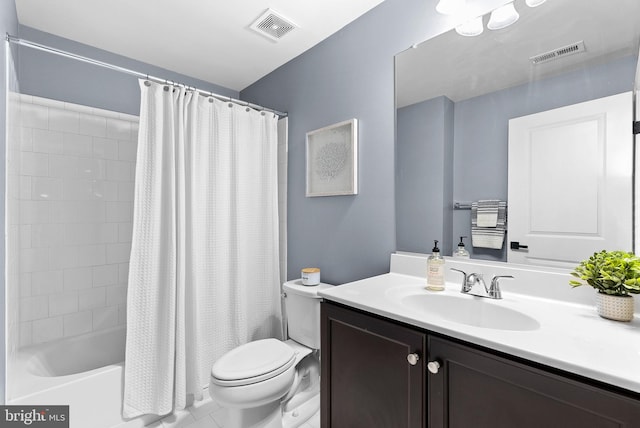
{"x":468,"y":310}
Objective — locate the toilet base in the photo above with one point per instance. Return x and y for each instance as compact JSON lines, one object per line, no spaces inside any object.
{"x":298,"y":416}
{"x":266,"y":416}
{"x":273,"y":415}
{"x":305,"y":400}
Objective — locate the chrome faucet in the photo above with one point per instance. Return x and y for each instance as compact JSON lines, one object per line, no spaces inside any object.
{"x":469,"y":281}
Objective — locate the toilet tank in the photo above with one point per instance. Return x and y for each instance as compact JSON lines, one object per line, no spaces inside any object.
{"x":302,"y":308}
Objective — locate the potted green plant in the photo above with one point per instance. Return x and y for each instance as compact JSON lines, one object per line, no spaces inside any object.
{"x":616,"y":276}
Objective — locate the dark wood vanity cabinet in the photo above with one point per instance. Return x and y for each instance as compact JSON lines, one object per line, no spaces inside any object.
{"x":475,"y":388}
{"x":368,"y":382}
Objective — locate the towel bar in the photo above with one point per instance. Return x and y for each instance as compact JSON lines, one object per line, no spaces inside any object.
{"x":462,"y":205}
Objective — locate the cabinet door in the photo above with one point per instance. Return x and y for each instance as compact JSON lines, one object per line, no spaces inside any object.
{"x":367,"y":380}
{"x":476,"y":389}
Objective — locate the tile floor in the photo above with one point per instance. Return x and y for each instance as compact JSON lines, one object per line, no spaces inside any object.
{"x":208,"y":414}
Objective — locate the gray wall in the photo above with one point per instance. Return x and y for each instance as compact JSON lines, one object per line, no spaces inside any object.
{"x":350,"y":74}
{"x":50,"y":76}
{"x":8,"y":24}
{"x":424,"y":176}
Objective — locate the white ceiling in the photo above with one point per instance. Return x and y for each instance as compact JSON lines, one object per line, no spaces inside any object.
{"x":206,"y":39}
{"x":464,"y":67}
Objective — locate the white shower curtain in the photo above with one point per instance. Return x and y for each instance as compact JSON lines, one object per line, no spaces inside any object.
{"x":204,"y":267}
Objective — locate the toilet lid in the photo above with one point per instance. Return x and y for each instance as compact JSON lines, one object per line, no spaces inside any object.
{"x":254,"y":359}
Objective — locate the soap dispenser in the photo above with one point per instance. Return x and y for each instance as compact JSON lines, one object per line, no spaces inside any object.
{"x":435,"y":270}
{"x":461,"y":252}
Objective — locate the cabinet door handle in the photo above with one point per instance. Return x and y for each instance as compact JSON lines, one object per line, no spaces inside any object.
{"x":413,"y":358}
{"x":433,"y":366}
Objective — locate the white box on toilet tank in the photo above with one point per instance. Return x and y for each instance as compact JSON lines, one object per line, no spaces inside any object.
{"x":302,"y":306}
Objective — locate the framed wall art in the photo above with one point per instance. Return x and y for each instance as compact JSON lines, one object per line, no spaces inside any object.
{"x":332,"y":160}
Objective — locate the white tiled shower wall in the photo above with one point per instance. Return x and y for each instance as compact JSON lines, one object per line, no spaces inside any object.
{"x":70,"y":212}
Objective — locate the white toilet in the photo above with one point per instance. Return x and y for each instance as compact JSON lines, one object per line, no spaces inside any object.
{"x":270,"y":383}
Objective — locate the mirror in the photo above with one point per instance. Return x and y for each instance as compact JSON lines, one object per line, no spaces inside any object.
{"x":455,"y":96}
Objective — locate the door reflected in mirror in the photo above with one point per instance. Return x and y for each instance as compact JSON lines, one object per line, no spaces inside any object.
{"x":455,"y":96}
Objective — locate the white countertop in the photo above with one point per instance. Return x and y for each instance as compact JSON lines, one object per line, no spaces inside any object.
{"x":571,"y":336}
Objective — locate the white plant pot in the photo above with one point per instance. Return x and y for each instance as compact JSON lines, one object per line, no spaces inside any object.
{"x":618,"y":308}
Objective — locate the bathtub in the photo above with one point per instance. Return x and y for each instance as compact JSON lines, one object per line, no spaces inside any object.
{"x":84,"y":372}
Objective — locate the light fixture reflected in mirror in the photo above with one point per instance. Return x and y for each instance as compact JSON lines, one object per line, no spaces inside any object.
{"x":502,"y":17}
{"x":471,"y":28}
{"x":451,"y":7}
{"x":534,"y":3}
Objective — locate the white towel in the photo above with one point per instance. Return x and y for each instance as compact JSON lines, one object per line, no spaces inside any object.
{"x":488,"y":213}
{"x":485,"y":238}
{"x":492,"y":212}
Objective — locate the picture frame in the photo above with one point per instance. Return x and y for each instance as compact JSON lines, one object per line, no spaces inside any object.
{"x":332,"y":160}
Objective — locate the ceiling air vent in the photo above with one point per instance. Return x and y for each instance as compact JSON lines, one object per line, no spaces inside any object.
{"x":272,"y":25}
{"x":571,"y":49}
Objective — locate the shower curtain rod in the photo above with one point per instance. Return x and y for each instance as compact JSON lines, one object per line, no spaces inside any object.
{"x":44,"y":48}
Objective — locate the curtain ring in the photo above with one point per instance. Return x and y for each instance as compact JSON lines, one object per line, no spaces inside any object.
{"x":211,"y":99}
{"x":230,"y":105}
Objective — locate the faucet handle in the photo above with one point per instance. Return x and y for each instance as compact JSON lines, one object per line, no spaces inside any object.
{"x":494,"y":289}
{"x":476,"y":278}
{"x":464,"y":280}
{"x":458,"y":270}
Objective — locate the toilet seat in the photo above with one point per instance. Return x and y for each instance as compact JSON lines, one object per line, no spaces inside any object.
{"x":253,"y":362}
